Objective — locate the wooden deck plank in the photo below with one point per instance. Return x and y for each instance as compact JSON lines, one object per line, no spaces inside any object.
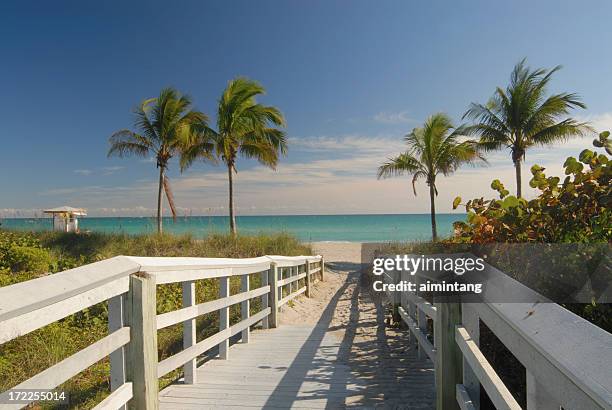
{"x":296,"y":367}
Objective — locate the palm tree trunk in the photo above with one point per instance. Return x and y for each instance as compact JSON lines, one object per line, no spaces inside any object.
{"x":160,"y":194}
{"x":517,"y":168}
{"x":231,"y":200}
{"x":432,"y":199}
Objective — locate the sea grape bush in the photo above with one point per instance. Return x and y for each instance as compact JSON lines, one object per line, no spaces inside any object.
{"x":576,"y":210}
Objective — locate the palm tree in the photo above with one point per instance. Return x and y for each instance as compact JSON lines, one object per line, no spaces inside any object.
{"x":167,"y":126}
{"x":521,"y":116}
{"x":433,"y":149}
{"x":243,"y":127}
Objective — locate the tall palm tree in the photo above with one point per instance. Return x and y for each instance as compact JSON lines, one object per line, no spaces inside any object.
{"x":167,"y":126}
{"x":522,"y":116}
{"x":433,"y":149}
{"x":245,"y":128}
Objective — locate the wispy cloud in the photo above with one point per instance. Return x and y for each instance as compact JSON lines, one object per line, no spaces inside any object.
{"x":111,"y":170}
{"x":83,"y":172}
{"x":400,"y":117}
{"x":349,"y":144}
{"x":601,"y":122}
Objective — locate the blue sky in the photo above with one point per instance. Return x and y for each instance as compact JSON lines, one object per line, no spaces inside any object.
{"x":351,"y":77}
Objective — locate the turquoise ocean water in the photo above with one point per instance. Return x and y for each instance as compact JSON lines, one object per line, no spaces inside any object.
{"x":352,"y":228}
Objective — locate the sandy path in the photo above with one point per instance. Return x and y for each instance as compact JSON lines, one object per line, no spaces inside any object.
{"x":379,"y":358}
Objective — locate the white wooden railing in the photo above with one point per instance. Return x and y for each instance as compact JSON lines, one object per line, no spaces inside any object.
{"x":568,"y":360}
{"x":129,"y":285}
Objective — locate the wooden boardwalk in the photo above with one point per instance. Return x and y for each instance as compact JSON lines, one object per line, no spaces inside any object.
{"x":327,"y":365}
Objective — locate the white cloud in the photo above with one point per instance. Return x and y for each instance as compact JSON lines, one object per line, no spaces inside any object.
{"x":601,"y":122}
{"x":83,"y":172}
{"x":400,"y":117}
{"x":111,"y":170}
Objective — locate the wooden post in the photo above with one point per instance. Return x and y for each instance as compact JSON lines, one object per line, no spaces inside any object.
{"x":471,"y":322}
{"x":189,"y":331}
{"x":308,"y":284}
{"x":244,"y":307}
{"x":116,"y":320}
{"x":421,"y":319}
{"x":224,"y":316}
{"x":449,"y":359}
{"x":322,"y":269}
{"x":142,"y":350}
{"x":264,"y":299}
{"x":537,"y":397}
{"x":273,"y":295}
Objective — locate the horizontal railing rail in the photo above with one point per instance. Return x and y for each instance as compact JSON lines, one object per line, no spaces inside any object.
{"x":128,"y":284}
{"x":567,"y":358}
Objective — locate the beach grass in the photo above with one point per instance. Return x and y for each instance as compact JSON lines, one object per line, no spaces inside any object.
{"x":28,"y":355}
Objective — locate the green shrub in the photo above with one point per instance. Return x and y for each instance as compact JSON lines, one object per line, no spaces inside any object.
{"x":28,"y":259}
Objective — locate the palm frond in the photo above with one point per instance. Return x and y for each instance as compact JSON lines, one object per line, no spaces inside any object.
{"x":126,"y":142}
{"x":403,"y":163}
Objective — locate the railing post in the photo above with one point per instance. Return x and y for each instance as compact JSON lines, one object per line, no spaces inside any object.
{"x":116,"y":320}
{"x":264,"y":299}
{"x":307,"y":278}
{"x":244,"y":307}
{"x":471,"y":322}
{"x":449,"y":359}
{"x":421,"y":320}
{"x":322,"y":269}
{"x":273,"y":295}
{"x":142,"y":349}
{"x":537,"y":397}
{"x":224,"y":316}
{"x":189,"y":331}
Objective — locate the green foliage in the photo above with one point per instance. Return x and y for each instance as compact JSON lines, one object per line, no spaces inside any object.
{"x":28,"y":259}
{"x":575,"y":210}
{"x":23,"y":253}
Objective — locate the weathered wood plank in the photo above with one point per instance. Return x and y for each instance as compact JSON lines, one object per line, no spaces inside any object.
{"x":116,"y":320}
{"x":32,"y":295}
{"x":167,"y":365}
{"x":291,"y":279}
{"x":35,"y":319}
{"x":189,"y":331}
{"x":490,"y":381}
{"x":142,"y":349}
{"x":291,"y":296}
{"x":117,"y":399}
{"x":421,"y":337}
{"x":224,"y":317}
{"x":180,"y":315}
{"x":273,"y":296}
{"x":449,"y":362}
{"x":245,"y":308}
{"x":463,"y":398}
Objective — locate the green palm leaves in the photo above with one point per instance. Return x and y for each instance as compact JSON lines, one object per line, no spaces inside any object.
{"x":166,"y":126}
{"x":522,"y":116}
{"x":244,"y":128}
{"x":436,"y":148}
